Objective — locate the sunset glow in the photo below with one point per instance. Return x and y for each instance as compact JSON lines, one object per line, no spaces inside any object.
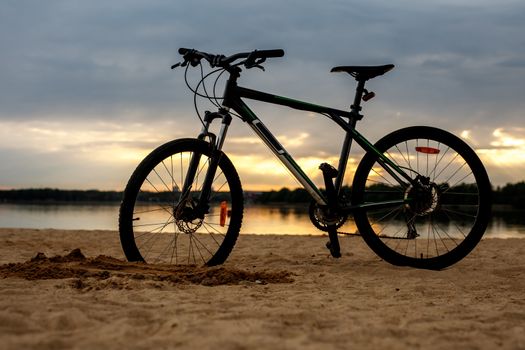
{"x":112,"y":148}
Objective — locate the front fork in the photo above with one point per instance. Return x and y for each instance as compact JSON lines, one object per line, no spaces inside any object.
{"x":216,"y":143}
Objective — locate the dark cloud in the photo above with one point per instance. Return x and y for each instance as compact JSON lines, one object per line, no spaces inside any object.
{"x":68,"y":55}
{"x":514,"y":62}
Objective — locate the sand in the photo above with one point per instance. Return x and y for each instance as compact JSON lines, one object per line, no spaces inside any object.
{"x":274,"y":292}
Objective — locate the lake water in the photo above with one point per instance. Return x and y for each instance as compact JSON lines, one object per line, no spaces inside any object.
{"x":258,"y":219}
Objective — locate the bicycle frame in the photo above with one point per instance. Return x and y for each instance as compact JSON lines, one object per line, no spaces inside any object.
{"x":233,"y":100}
{"x":421,"y":195}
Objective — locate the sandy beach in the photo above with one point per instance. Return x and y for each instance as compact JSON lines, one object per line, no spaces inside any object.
{"x":274,"y":292}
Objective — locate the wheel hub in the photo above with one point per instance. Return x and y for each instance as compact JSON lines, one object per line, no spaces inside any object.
{"x":186,"y":217}
{"x":422,"y":198}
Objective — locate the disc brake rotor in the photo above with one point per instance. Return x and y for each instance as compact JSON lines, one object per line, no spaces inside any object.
{"x":185,"y":217}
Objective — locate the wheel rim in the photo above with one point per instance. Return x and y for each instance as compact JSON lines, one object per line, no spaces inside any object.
{"x":440,"y":210}
{"x":165,"y":223}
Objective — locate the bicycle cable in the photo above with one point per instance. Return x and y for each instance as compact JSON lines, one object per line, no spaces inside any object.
{"x":213,"y":99}
{"x":204,"y":85}
{"x":196,"y":89}
{"x":215,"y":86}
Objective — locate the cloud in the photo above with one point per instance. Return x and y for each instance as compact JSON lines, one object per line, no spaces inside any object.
{"x":73,"y":155}
{"x":513,"y":62}
{"x":502,"y":151}
{"x":509,"y":139}
{"x":72,"y":65}
{"x":70,"y":56}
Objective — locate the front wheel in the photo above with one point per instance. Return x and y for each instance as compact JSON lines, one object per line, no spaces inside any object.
{"x":438,"y":217}
{"x":159,"y":223}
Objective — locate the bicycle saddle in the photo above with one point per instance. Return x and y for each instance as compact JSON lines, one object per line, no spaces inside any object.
{"x":364,"y":72}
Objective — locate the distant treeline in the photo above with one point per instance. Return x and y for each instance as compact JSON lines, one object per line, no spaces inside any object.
{"x":510,"y":194}
{"x":49,"y":195}
{"x":284,"y":195}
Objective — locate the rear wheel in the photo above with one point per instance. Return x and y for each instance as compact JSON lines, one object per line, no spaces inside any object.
{"x":158,"y":224}
{"x":441,"y":216}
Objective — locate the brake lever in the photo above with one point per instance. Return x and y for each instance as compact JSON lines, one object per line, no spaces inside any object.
{"x":180,"y":64}
{"x":255,"y":64}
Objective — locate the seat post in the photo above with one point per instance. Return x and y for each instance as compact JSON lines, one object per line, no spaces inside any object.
{"x":356,"y":106}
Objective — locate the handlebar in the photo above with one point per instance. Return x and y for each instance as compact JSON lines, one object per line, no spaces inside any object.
{"x":253,"y":58}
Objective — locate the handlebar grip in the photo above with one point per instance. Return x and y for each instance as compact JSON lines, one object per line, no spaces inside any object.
{"x":183,"y":51}
{"x":270,"y":53}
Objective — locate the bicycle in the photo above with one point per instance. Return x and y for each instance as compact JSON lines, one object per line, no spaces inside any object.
{"x":420,"y":195}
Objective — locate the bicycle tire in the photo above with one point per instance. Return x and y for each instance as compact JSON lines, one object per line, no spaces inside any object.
{"x":152,"y":224}
{"x":444,"y":220}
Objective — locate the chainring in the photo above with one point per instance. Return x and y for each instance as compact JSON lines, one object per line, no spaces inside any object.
{"x":321,"y":218}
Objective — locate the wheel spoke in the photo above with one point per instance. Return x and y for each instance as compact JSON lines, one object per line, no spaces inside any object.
{"x":158,"y":227}
{"x":443,"y":203}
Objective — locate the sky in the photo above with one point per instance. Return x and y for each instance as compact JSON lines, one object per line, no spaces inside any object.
{"x":86,"y":89}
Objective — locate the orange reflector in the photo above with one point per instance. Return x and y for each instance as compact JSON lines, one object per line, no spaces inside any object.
{"x":427,"y":150}
{"x":224,"y":213}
